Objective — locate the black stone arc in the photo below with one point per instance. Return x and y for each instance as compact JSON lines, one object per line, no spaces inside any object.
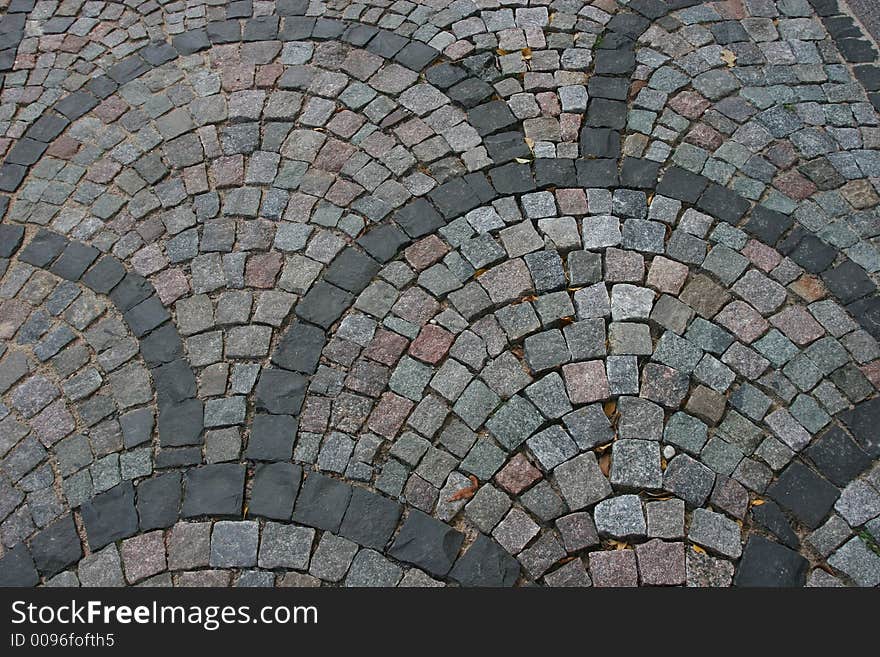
{"x":280,"y":491}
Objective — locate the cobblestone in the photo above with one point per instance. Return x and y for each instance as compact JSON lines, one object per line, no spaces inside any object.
{"x":253,"y":262}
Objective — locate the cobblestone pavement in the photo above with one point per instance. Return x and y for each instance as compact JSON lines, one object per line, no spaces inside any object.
{"x":867,"y":13}
{"x":479,"y":293}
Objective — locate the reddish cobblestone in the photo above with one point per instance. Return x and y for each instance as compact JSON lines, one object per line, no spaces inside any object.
{"x":571,"y":201}
{"x":798,"y":325}
{"x":761,"y":255}
{"x":390,"y":414}
{"x":689,"y":104}
{"x":616,"y":568}
{"x":262,"y":270}
{"x":432,"y":344}
{"x":425,"y":252}
{"x":661,"y":563}
{"x":517,"y":475}
{"x":586,"y":382}
{"x":386,"y":347}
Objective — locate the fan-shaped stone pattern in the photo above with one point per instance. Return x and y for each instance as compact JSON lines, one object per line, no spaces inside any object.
{"x":708,"y":398}
{"x":194,"y":215}
{"x":211,"y":491}
{"x":338,"y":537}
{"x":741,"y":96}
{"x":180,"y":414}
{"x":295,"y":32}
{"x":78,"y":400}
{"x":105,"y":510}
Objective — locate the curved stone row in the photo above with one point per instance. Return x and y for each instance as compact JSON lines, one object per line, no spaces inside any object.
{"x":624,"y":28}
{"x":301,"y":156}
{"x":351,"y":273}
{"x":180,"y":412}
{"x":343,"y":513}
{"x":12,"y":32}
{"x":331,"y":295}
{"x":77,"y":417}
{"x":158,"y":501}
{"x":216,"y":490}
{"x":447,"y":275}
{"x":27,"y":151}
{"x":46,"y":249}
{"x":686,"y":87}
{"x":793,"y":130}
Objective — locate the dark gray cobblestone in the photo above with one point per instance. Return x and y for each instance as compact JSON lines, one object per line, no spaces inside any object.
{"x":521,"y":271}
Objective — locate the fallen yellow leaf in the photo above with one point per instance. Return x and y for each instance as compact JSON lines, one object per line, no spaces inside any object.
{"x":698,"y":549}
{"x":757,"y":502}
{"x":467,"y":492}
{"x":728,"y":58}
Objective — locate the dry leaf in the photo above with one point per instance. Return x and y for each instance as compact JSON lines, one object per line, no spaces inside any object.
{"x":602,"y":448}
{"x":618,"y":545}
{"x":826,"y":568}
{"x":526,"y":53}
{"x":565,"y":321}
{"x":663,"y":463}
{"x":501,"y":52}
{"x":522,"y":160}
{"x":636,"y":87}
{"x":698,"y":549}
{"x":757,"y":502}
{"x":530,"y":143}
{"x":605,"y":464}
{"x":467,"y":492}
{"x":480,"y":272}
{"x":728,"y":58}
{"x":610,"y":408}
